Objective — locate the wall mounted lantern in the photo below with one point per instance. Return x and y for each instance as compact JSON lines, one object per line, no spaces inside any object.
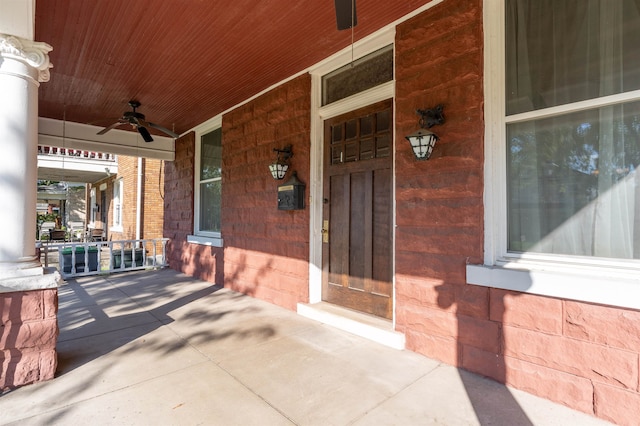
{"x":281,"y":165}
{"x":423,"y":140}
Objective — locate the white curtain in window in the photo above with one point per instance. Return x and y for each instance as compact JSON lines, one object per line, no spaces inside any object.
{"x":572,"y":183}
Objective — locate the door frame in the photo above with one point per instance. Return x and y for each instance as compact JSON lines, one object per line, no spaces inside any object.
{"x":318,"y":115}
{"x":357,"y":197}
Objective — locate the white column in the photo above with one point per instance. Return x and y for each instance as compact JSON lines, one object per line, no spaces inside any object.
{"x":17,"y":18}
{"x":23,"y":65}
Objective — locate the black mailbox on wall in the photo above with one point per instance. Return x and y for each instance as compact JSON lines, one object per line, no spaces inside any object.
{"x":291,"y":194}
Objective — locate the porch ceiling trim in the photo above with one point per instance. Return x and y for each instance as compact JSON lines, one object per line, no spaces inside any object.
{"x":79,"y":136}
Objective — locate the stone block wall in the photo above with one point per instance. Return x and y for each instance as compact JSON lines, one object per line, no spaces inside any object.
{"x":582,"y":355}
{"x":579,"y":354}
{"x":28,"y":334}
{"x":266,"y":249}
{"x":439,"y":60}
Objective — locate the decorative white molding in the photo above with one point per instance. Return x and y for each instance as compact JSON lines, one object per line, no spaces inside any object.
{"x":51,"y":278}
{"x":28,"y":267}
{"x":84,"y":137}
{"x":205,"y":241}
{"x":33,"y":53}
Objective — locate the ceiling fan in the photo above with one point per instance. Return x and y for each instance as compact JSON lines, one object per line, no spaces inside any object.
{"x":136,"y":120}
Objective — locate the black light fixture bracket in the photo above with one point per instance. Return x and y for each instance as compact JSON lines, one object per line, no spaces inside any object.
{"x":284,"y":153}
{"x":430,"y":117}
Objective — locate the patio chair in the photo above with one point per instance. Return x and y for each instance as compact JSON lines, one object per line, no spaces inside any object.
{"x":76,"y":230}
{"x":96,"y":234}
{"x":46,"y":227}
{"x":57,"y":235}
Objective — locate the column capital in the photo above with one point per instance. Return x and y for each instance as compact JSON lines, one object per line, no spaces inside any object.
{"x":32,"y":53}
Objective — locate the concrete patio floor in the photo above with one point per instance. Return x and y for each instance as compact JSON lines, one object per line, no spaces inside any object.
{"x":161,"y":348}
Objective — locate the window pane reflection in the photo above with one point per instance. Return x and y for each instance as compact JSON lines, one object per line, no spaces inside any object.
{"x":573,"y":185}
{"x":210,"y":206}
{"x":560,"y":52}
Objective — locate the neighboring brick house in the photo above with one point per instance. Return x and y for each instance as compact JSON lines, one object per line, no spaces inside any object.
{"x":559,"y":325}
{"x":114,"y":200}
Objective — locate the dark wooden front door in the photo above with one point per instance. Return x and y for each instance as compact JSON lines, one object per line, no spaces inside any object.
{"x":357,"y":214}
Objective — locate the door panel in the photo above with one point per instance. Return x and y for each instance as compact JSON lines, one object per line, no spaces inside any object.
{"x":357,"y":263}
{"x":357,"y":237}
{"x":382,"y":235}
{"x":338,"y":263}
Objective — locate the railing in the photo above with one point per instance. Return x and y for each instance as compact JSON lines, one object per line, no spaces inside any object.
{"x":75,"y":153}
{"x":105,"y":257}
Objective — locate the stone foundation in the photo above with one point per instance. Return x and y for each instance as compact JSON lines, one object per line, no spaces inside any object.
{"x":28,"y":335}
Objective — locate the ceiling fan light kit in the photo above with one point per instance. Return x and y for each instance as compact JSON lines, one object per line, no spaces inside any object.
{"x":137,"y":121}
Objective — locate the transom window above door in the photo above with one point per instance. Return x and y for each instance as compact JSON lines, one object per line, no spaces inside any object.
{"x":365,"y":73}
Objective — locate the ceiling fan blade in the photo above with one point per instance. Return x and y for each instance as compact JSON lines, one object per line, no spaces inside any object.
{"x":106,"y":129}
{"x":137,"y":120}
{"x":164,"y":130}
{"x":346,"y":14}
{"x":145,"y":134}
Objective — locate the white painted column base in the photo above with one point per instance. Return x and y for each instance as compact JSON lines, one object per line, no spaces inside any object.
{"x":49,"y":279}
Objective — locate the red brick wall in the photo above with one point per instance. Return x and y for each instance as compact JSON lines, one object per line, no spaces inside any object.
{"x":578,"y":354}
{"x":28,"y":334}
{"x":152,"y":219}
{"x":266,"y":249}
{"x":128,"y":172}
{"x":200,"y":261}
{"x":152,"y":198}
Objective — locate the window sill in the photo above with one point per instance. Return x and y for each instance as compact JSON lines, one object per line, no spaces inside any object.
{"x":116,"y":229}
{"x":593,"y":285}
{"x":205,"y":241}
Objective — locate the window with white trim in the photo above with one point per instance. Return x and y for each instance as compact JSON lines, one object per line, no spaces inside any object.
{"x":209,"y":183}
{"x":572,"y":185}
{"x":562,"y":109}
{"x":118,"y":191}
{"x":93,"y":207}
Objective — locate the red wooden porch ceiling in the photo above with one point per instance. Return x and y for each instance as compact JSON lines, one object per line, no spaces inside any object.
{"x":185,"y":60}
